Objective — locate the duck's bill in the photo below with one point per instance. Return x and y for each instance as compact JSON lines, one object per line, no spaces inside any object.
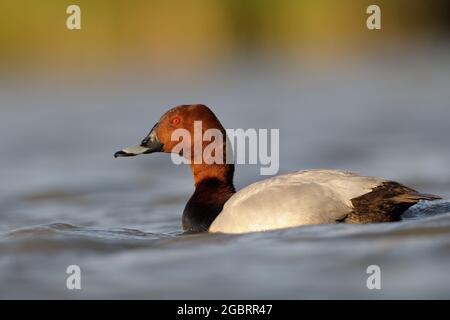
{"x":149,"y":145}
{"x":132,"y":151}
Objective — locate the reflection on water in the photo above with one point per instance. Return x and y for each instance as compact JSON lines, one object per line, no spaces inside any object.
{"x":65,"y":200}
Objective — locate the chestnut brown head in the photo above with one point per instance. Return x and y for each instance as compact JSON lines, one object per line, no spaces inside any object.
{"x":161,"y":137}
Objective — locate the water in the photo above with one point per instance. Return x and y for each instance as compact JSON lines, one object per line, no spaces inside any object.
{"x":65,"y":200}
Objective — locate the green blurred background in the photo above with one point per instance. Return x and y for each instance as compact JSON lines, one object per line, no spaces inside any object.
{"x":185,"y":34}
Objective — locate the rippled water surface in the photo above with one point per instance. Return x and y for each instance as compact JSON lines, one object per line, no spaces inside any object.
{"x":65,"y":200}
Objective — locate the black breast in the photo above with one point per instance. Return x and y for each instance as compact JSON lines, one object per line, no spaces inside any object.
{"x":205,"y":204}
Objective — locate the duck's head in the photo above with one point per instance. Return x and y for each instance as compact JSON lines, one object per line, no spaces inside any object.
{"x":213,"y":180}
{"x":161,"y":137}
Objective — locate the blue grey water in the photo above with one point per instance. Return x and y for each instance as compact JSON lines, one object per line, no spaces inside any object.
{"x":65,"y":200}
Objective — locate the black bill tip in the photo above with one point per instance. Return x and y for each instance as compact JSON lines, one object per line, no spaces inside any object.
{"x":131,"y":151}
{"x":122,"y":153}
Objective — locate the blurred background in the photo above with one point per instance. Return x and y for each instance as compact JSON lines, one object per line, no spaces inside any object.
{"x":155,"y":34}
{"x":343,"y":96}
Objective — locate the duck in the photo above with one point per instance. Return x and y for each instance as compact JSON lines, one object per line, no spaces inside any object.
{"x":314,"y":196}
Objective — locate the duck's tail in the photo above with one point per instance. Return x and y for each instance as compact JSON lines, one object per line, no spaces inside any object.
{"x":387,"y":202}
{"x":414,"y":197}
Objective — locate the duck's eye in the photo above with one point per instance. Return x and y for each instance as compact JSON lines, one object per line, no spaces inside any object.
{"x":176,"y":121}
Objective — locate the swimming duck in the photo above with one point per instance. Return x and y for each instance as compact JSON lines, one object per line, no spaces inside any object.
{"x":319,"y":196}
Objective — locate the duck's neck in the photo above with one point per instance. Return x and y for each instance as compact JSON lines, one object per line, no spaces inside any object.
{"x":213,"y":187}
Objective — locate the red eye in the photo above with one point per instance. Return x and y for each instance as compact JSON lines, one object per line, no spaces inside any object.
{"x":176,"y":121}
